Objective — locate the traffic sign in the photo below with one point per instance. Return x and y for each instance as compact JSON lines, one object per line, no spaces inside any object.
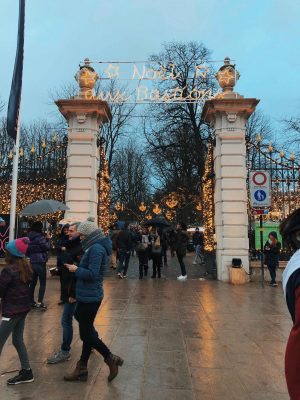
{"x":260,"y":193}
{"x":257,"y":211}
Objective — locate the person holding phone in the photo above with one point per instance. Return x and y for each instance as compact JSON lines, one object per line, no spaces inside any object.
{"x":89,"y":295}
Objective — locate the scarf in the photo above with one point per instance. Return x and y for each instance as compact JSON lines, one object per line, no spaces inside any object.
{"x":94,"y":237}
{"x":291,"y":267}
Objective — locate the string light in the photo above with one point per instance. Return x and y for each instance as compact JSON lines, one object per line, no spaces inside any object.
{"x":207,"y":199}
{"x":104,"y":218}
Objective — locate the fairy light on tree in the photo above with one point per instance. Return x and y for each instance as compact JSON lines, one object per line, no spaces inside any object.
{"x":104,"y":193}
{"x":207,"y":199}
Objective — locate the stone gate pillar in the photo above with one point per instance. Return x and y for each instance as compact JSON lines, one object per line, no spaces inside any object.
{"x":85,"y":114}
{"x":227,"y":114}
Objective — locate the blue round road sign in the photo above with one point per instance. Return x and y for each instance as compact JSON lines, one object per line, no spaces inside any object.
{"x":260,"y":195}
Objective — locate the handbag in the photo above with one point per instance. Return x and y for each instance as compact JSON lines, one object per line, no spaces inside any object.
{"x":141,"y":247}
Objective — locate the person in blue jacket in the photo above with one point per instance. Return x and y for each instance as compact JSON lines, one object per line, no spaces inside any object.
{"x":89,"y":295}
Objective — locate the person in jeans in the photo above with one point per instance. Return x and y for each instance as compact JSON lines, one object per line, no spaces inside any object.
{"x":72,"y":255}
{"x":181,"y":243}
{"x":198,"y":245}
{"x":89,"y":295}
{"x":15,"y":302}
{"x":124,"y":246}
{"x":37,"y":252}
{"x":60,"y":255}
{"x":272,"y":251}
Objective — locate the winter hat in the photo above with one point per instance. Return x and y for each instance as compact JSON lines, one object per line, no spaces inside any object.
{"x":37,"y":226}
{"x":18,"y":247}
{"x":87,"y":227}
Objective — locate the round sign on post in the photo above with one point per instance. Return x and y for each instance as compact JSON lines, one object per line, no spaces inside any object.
{"x":259,"y":178}
{"x":260,"y":193}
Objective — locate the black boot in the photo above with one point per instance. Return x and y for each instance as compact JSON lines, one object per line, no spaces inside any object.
{"x":146,"y":270}
{"x":113,"y":362}
{"x":80,"y":373}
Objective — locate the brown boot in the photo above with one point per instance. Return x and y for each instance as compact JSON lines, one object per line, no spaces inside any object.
{"x":80,"y":373}
{"x":113,"y":362}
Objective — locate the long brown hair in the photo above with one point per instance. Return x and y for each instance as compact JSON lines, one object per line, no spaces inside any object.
{"x":24,"y":266}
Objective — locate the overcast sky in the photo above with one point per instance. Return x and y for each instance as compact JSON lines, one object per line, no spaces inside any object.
{"x":262,"y":36}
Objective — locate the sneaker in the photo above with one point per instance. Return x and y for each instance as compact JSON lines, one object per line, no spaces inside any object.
{"x":182,"y":278}
{"x":33,"y":304}
{"x":275,"y":284}
{"x":195,"y":263}
{"x":40,"y":307}
{"x":124,"y":276}
{"x":24,"y":376}
{"x":59,"y":357}
{"x":120,"y":275}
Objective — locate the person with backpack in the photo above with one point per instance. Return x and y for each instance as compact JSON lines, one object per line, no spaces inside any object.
{"x":15,"y":302}
{"x":157,"y":256}
{"x":142,"y":250}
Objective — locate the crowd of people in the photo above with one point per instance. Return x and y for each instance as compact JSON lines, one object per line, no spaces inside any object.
{"x":83,"y":253}
{"x":152,"y":245}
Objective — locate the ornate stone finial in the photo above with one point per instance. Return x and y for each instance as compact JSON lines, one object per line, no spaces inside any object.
{"x":86,"y":78}
{"x":227,"y":76}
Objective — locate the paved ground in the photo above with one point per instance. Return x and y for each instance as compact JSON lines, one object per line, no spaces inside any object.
{"x":180,"y":340}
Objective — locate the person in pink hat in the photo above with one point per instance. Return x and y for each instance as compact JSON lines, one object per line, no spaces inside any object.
{"x":15,"y":302}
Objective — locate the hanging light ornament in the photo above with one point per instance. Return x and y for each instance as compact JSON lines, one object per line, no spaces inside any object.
{"x":281,"y":153}
{"x":55,"y":137}
{"x":21,"y":152}
{"x":32,"y":150}
{"x":44,"y":144}
{"x":10,"y":155}
{"x":171,"y":202}
{"x":156,"y":209}
{"x":142,"y":207}
{"x":118,"y":206}
{"x":148,"y":216}
{"x":199,"y":206}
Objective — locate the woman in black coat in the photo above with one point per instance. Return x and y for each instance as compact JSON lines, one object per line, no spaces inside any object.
{"x":181,"y":243}
{"x":272,"y":251}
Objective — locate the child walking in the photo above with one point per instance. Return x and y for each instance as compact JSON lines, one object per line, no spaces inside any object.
{"x":15,"y":301}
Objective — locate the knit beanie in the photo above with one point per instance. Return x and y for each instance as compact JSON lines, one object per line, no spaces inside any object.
{"x":18,"y":247}
{"x":87,"y":227}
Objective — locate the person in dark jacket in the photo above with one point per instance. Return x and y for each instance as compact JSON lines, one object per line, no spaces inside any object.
{"x":290,"y":231}
{"x":89,"y":295}
{"x":272,"y":251}
{"x":181,"y":243}
{"x":60,"y":250}
{"x":38,"y":253}
{"x":71,"y":255}
{"x":124,"y":245}
{"x":15,"y":302}
{"x":143,"y":249}
{"x":157,"y":256}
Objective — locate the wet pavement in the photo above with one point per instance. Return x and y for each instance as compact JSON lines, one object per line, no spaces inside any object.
{"x":198,"y":339}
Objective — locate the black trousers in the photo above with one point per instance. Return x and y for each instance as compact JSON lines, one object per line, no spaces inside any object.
{"x":143,"y":263}
{"x":272,"y":271}
{"x":85,"y":314}
{"x":181,"y":263}
{"x":157,"y":262}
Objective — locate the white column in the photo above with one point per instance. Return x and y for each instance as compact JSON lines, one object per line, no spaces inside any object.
{"x":85,"y":118}
{"x":228,"y":118}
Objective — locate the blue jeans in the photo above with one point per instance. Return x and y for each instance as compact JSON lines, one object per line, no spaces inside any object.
{"x":123,"y":256}
{"x":67,"y":325}
{"x":39,"y":272}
